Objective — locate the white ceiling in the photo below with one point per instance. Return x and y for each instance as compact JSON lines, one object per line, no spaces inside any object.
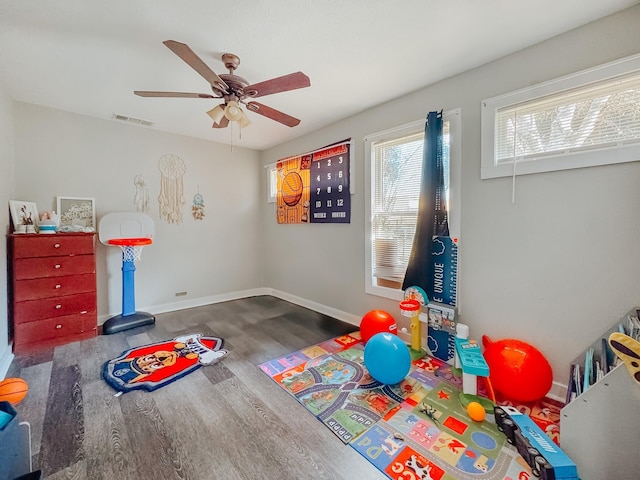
{"x":88,"y":56}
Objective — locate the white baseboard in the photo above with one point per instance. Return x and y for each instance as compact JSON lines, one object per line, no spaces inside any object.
{"x":558,"y":390}
{"x":6,"y":357}
{"x":195,"y":302}
{"x":317,"y":307}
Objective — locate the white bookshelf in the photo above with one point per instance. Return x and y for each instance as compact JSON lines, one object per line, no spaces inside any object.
{"x":600,"y":429}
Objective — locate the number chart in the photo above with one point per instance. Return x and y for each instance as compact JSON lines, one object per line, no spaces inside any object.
{"x":315,"y":187}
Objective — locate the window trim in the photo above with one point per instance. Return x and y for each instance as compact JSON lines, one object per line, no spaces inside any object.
{"x":562,"y":161}
{"x":272,"y":183}
{"x":455,"y":180}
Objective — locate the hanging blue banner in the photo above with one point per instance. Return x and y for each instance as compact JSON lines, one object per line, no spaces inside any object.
{"x":443,"y":271}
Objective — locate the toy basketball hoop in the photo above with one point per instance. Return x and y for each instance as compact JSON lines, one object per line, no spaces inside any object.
{"x":131,"y":232}
{"x":131,"y":247}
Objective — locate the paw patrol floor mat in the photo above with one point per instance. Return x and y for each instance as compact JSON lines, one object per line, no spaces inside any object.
{"x":153,"y":366}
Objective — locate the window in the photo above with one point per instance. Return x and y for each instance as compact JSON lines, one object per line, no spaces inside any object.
{"x":395,"y":165}
{"x":586,"y":119}
{"x":272,"y":183}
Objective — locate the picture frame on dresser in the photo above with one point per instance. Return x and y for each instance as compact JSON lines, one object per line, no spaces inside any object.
{"x":24,"y":216}
{"x":76,"y":211}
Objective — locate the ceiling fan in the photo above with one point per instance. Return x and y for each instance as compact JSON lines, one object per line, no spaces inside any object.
{"x":234,"y":89}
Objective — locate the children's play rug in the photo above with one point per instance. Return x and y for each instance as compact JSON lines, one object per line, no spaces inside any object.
{"x":416,"y":429}
{"x":154,"y":366}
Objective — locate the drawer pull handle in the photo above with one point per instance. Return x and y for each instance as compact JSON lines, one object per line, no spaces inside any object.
{"x":57,"y":245}
{"x":58,"y":286}
{"x":83,"y":312}
{"x":58,"y":306}
{"x":57,"y":265}
{"x":58,"y":327}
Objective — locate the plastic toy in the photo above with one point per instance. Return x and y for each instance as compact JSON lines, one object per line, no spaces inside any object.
{"x":476,"y":411}
{"x":469,"y":359}
{"x":545,"y":458}
{"x":414,"y":299}
{"x":13,"y":390}
{"x":411,"y":309}
{"x":131,"y":232}
{"x":519,"y":371}
{"x":387,"y":358}
{"x":377,"y":321}
{"x":627,"y":349}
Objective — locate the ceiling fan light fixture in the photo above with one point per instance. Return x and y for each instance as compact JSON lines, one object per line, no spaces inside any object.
{"x":233,"y":111}
{"x":216,"y":113}
{"x":244,"y":121}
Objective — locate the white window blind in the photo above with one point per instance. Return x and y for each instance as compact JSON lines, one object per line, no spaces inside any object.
{"x":396,"y":177}
{"x":603,"y":115}
{"x":586,"y":119}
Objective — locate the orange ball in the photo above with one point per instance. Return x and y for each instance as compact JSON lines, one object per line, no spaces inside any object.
{"x":377,"y":321}
{"x":476,"y":411}
{"x":519,"y":371}
{"x":13,"y":390}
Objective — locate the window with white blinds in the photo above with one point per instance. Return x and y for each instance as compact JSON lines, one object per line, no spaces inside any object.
{"x":396,"y":170}
{"x":397,"y":165}
{"x":587,"y":119}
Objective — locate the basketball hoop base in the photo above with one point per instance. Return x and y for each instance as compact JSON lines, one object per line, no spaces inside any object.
{"x":125,"y":322}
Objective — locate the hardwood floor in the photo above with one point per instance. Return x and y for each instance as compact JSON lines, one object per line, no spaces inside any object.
{"x":225,"y":421}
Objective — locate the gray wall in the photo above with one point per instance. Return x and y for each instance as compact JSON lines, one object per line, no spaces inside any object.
{"x":59,"y":153}
{"x":554,"y":269}
{"x":6,"y":190}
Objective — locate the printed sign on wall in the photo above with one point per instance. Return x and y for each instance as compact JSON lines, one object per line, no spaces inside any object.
{"x":314,"y":187}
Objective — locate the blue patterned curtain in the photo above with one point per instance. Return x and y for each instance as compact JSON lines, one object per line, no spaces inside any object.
{"x":432,"y":209}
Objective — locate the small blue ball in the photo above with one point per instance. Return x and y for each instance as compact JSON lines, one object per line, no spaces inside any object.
{"x":387,"y":358}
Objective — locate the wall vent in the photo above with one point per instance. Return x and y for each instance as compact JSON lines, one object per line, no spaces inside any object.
{"x":136,"y":121}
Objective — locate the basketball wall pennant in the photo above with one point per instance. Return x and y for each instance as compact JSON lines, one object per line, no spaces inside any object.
{"x":153,"y":366}
{"x":315,"y":187}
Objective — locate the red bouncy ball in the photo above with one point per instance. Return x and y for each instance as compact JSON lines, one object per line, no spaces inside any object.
{"x":517,"y":370}
{"x":377,"y":321}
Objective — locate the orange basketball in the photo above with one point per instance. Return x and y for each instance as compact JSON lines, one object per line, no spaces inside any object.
{"x":13,"y":390}
{"x":292,"y":188}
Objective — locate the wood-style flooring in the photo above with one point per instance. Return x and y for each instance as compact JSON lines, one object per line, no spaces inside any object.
{"x":225,"y":421}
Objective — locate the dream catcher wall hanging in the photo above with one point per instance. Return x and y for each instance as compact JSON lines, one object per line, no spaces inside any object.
{"x":141,"y":198}
{"x":198,"y":206}
{"x":171,"y":199}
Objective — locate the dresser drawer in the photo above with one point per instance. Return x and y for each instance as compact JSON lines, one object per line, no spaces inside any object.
{"x":53,"y":266}
{"x":53,"y":245}
{"x":50,"y":328}
{"x":33,"y":310}
{"x":37,"y":288}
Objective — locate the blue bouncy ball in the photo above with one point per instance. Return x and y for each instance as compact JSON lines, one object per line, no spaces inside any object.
{"x":387,"y":358}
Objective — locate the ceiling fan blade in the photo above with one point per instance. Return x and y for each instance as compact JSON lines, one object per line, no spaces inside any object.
{"x":142,"y":93}
{"x":191,"y":59}
{"x":223,"y":123}
{"x":285,"y":83}
{"x":273,"y":114}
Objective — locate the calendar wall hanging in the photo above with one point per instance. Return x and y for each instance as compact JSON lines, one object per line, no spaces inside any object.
{"x":315,"y":187}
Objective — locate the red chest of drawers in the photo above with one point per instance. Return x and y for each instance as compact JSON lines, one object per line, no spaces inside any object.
{"x":52,"y":289}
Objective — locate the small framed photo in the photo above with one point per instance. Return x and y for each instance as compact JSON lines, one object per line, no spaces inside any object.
{"x":24,"y":216}
{"x":77,"y":212}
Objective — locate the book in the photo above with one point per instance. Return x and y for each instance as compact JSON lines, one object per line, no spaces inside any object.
{"x":441,"y":324}
{"x":633,"y":329}
{"x":571,"y":385}
{"x":577,"y":379}
{"x":608,"y":357}
{"x":588,"y":370}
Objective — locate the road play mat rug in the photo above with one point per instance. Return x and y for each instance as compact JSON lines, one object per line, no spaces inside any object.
{"x":416,"y":429}
{"x":154,"y":366}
